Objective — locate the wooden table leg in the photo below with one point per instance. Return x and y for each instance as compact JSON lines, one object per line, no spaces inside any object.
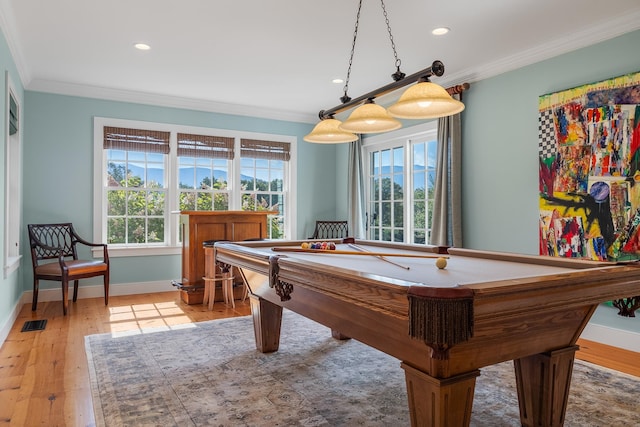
{"x":437,"y":402}
{"x":267,"y":319}
{"x":543,"y":382}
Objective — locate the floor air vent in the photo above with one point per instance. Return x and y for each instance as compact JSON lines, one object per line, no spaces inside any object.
{"x":34,"y":325}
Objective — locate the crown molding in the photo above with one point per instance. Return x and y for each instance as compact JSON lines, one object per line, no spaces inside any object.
{"x":86,"y":91}
{"x":569,"y":43}
{"x":10,"y":34}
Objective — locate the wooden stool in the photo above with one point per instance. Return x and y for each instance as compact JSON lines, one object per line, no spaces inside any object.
{"x":227,"y":288}
{"x":209,"y":291}
{"x":211,"y":274}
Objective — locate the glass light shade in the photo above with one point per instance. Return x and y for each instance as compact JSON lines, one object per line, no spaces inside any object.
{"x":328,"y":132}
{"x":370,"y":118}
{"x":425,"y":100}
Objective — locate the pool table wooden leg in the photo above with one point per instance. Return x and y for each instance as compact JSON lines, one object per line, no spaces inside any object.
{"x":439,"y":402}
{"x":267,"y":319}
{"x":543,"y":382}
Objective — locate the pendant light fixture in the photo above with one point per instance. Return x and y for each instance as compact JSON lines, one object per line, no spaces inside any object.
{"x":425,"y":100}
{"x":328,"y":132}
{"x":370,"y":118}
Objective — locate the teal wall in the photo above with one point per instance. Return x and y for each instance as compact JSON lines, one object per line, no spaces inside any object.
{"x":10,"y":286}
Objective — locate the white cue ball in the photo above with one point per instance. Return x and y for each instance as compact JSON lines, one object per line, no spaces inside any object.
{"x":441,"y":263}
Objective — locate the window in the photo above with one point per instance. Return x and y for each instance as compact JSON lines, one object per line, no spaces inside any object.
{"x":147,"y":172}
{"x":13,"y":180}
{"x":400,"y":171}
{"x":136,"y":185}
{"x":203,"y":172}
{"x":262,"y":179}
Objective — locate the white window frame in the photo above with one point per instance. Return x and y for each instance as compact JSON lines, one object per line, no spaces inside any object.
{"x":13,"y":184}
{"x":401,"y":138}
{"x":172,"y":244}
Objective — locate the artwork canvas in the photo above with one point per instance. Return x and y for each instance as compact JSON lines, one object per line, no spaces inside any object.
{"x":589,"y":171}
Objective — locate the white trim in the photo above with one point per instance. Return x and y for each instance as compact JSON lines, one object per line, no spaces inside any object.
{"x":11,"y":265}
{"x":573,"y":41}
{"x":11,"y":35}
{"x":123,"y":251}
{"x":86,"y":91}
{"x":13,"y":183}
{"x":611,"y":336}
{"x":402,"y":133}
{"x":292,"y":194}
{"x":11,"y":319}
{"x":97,"y":291}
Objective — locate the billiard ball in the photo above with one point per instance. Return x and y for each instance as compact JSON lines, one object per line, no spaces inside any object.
{"x":441,"y":263}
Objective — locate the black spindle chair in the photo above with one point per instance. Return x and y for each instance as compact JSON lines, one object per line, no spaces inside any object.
{"x":330,"y":230}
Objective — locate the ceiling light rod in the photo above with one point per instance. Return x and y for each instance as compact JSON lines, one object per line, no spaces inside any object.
{"x":436,"y":69}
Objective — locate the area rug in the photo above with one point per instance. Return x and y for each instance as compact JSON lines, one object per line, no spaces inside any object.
{"x":210,"y":374}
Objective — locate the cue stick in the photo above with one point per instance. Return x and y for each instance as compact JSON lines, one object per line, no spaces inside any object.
{"x":339,"y":252}
{"x":358,"y":248}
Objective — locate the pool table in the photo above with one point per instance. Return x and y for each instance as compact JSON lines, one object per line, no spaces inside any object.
{"x":443,"y":325}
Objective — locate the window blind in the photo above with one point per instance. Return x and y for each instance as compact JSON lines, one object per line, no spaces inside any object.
{"x":13,"y":115}
{"x":270,"y":150}
{"x":147,"y":141}
{"x":205,"y":146}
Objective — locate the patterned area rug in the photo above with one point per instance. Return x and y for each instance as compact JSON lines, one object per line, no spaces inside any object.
{"x":210,"y":374}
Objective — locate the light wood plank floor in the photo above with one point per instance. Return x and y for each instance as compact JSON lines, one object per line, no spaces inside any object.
{"x":44,"y":378}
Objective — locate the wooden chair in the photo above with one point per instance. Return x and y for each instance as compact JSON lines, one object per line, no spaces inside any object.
{"x":58,"y":241}
{"x":330,"y":230}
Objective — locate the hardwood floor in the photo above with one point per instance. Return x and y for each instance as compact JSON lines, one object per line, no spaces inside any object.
{"x":612,"y":357}
{"x":44,"y":378}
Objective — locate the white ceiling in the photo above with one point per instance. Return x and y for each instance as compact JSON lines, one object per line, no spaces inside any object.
{"x":276,"y":58}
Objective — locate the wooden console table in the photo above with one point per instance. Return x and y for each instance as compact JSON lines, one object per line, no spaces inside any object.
{"x":198,"y":227}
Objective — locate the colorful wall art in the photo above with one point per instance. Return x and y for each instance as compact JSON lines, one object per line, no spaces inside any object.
{"x":589,"y":184}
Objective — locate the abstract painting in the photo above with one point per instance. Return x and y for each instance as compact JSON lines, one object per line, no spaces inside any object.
{"x":589,"y":171}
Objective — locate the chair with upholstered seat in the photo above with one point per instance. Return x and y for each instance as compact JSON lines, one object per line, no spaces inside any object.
{"x":54,"y":257}
{"x":330,"y":230}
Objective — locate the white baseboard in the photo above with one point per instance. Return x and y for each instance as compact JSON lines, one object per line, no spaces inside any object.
{"x":611,"y":336}
{"x":6,"y":328}
{"x":97,"y":291}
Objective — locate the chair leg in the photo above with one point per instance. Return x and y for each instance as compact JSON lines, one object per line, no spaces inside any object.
{"x":75,"y":290}
{"x":36,"y":286}
{"x":65,"y":296}
{"x":106,"y":289}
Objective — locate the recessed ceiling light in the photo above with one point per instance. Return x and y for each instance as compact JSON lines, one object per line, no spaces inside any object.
{"x":440,"y":31}
{"x":142,"y":46}
{"x":338,"y":80}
